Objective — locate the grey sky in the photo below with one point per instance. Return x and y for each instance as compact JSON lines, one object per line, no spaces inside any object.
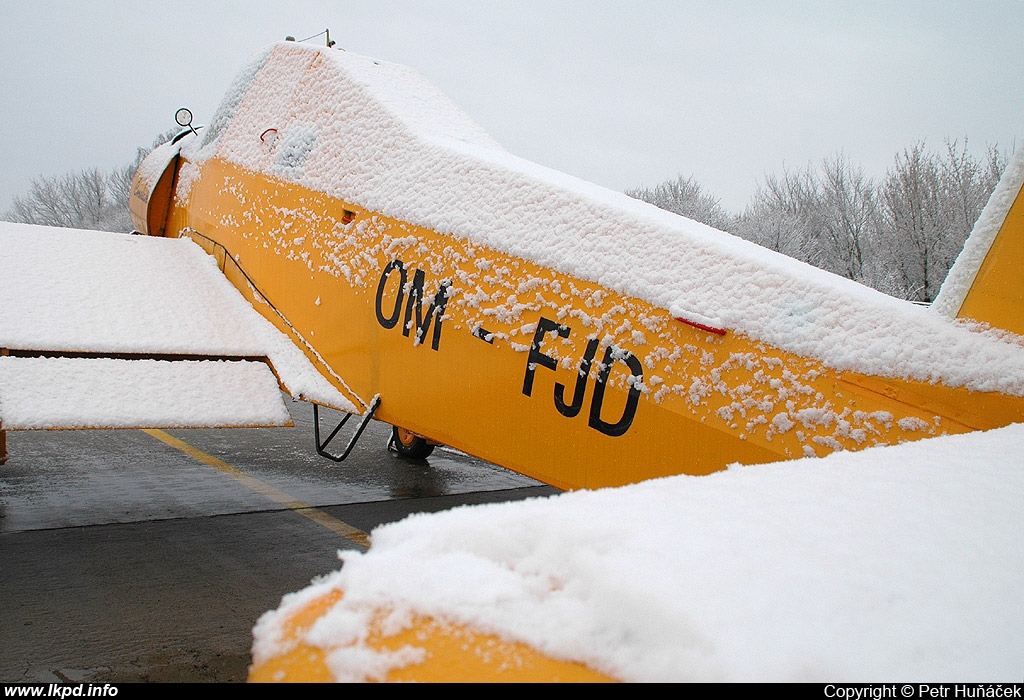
{"x":619,"y":93}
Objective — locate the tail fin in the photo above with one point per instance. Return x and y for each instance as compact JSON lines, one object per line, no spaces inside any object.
{"x":987,"y":281}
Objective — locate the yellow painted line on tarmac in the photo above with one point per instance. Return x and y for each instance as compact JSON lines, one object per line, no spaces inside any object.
{"x":304,"y":509}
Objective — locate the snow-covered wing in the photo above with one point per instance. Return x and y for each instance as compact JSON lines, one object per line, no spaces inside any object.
{"x":60,"y":392}
{"x":108,"y":330}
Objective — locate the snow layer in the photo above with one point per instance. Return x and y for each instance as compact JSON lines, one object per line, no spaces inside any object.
{"x":38,"y":392}
{"x":894,"y":563}
{"x":380,"y":136}
{"x":91,"y":291}
{"x":68,"y":290}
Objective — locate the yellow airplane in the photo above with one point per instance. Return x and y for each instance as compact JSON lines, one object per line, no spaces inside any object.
{"x":474,"y":299}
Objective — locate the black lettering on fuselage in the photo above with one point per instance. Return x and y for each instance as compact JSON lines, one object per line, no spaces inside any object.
{"x":436,"y":307}
{"x":390,"y":321}
{"x":611,"y":354}
{"x":571,"y":410}
{"x":544,"y":326}
{"x":434,"y":314}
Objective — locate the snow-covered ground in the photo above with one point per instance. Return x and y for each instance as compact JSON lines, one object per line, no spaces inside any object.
{"x":894,"y":563}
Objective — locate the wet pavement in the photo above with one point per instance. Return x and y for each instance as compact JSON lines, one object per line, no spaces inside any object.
{"x":125,"y":559}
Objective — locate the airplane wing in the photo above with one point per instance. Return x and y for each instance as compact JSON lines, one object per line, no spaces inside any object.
{"x":108,"y":330}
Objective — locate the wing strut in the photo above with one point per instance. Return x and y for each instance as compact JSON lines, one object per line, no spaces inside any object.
{"x":321,"y":447}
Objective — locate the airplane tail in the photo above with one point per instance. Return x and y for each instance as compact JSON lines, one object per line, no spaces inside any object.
{"x":986,"y":283}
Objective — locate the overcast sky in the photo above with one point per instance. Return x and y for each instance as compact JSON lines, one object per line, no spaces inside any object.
{"x":619,"y":93}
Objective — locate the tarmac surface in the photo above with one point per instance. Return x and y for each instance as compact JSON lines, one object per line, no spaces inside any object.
{"x":149,"y":555}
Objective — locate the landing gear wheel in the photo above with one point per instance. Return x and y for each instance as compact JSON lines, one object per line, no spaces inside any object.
{"x":409,"y":444}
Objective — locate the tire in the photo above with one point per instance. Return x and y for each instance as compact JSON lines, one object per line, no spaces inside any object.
{"x":410,"y":445}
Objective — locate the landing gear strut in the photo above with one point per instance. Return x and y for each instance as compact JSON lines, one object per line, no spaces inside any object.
{"x":321,"y":447}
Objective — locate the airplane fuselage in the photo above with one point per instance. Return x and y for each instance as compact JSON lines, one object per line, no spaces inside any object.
{"x":550,"y":375}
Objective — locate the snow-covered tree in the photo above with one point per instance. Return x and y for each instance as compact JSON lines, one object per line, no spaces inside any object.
{"x":684,"y":196}
{"x":900,"y":235}
{"x":826,"y":216}
{"x":849,"y":219}
{"x":75,"y":200}
{"x":88,"y":199}
{"x":782,"y":215}
{"x":929,"y":203}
